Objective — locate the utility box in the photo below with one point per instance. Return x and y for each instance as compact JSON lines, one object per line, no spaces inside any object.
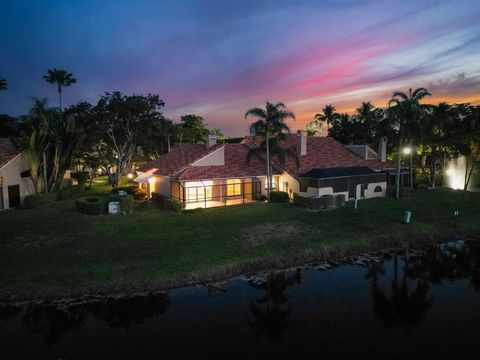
{"x":407,"y":217}
{"x":114,"y":208}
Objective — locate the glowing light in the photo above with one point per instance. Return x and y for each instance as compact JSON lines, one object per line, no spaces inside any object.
{"x":130,"y":175}
{"x":151,"y":180}
{"x":407,"y":150}
{"x":456,"y":173}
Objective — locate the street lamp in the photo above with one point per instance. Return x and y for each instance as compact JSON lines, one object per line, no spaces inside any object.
{"x":409,"y":151}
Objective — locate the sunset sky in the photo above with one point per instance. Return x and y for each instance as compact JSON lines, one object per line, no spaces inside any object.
{"x":219,"y":58}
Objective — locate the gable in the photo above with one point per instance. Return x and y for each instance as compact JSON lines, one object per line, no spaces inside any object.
{"x":215,"y":158}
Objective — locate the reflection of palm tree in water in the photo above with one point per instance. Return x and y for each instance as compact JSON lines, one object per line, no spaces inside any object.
{"x":405,"y":307}
{"x":270,"y":314}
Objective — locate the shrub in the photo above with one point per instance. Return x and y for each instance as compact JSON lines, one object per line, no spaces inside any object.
{"x":339,"y":199}
{"x":126,"y":204}
{"x":36,"y":200}
{"x":140,"y":194}
{"x":81,"y":178}
{"x":167,"y":203}
{"x":90,"y":205}
{"x":70,"y":192}
{"x":263,"y":198}
{"x":279,"y":196}
{"x":300,"y":201}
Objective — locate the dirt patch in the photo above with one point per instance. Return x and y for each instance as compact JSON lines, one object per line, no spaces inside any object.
{"x":274,"y":232}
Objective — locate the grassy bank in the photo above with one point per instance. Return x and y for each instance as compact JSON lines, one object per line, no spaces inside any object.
{"x":55,"y":251}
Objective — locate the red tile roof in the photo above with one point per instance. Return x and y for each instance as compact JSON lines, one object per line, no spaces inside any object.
{"x":322,"y":152}
{"x":236,"y":166}
{"x":7,"y":151}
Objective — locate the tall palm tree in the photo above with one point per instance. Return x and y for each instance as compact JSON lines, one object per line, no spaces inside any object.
{"x":61,"y":78}
{"x":368,"y":116}
{"x":3,"y":84}
{"x":328,"y":115}
{"x":405,"y":113}
{"x":270,"y":123}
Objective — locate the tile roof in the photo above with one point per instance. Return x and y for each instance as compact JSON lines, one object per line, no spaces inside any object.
{"x":236,"y":166}
{"x":322,"y":152}
{"x":7,"y":151}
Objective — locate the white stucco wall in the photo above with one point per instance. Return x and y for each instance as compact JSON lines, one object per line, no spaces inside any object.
{"x":369,"y":192}
{"x":161,"y":185}
{"x":11,"y":176}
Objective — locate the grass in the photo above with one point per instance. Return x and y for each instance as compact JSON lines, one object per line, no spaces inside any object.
{"x":54,"y":251}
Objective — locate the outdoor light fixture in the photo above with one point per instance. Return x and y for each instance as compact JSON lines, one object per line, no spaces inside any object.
{"x":130,"y":175}
{"x":151,"y":180}
{"x":407,"y":150}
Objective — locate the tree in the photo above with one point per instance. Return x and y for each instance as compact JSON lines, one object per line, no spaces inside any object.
{"x":218,"y":134}
{"x":192,"y":129}
{"x":367,"y":117}
{"x":62,"y":79}
{"x":3,"y":84}
{"x":123,"y":122}
{"x":328,"y":115}
{"x":404,"y":114}
{"x":314,"y":128}
{"x":269,"y":124}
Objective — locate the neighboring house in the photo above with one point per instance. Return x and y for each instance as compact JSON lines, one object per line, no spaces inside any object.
{"x":211,"y":174}
{"x":15,"y":181}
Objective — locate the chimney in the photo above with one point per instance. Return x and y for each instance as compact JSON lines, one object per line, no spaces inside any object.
{"x":301,"y":142}
{"x":382,"y":149}
{"x":211,"y":140}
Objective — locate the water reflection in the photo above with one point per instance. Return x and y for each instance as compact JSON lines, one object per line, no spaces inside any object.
{"x":270,"y":311}
{"x":403,"y":305}
{"x":52,"y":321}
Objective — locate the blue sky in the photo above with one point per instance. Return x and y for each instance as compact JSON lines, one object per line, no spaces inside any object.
{"x":219,"y":58}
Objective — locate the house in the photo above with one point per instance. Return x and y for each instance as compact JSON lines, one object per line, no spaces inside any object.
{"x":211,"y":174}
{"x":15,"y":181}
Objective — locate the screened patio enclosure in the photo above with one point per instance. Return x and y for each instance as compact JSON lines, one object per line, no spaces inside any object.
{"x":212,"y":193}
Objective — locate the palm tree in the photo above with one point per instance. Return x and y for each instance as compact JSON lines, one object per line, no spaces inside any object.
{"x":328,"y":115}
{"x":269,"y":124}
{"x":3,"y":84}
{"x":405,"y":112}
{"x":368,"y":116}
{"x":61,"y":78}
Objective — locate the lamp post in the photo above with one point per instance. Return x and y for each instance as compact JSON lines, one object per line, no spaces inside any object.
{"x":409,"y":151}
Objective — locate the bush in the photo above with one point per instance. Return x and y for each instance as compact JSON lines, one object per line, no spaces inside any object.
{"x":90,"y":205}
{"x":70,"y":192}
{"x":36,"y":200}
{"x":126,"y":204}
{"x":140,"y":194}
{"x":300,"y":201}
{"x":325,"y":201}
{"x":263,"y":198}
{"x":167,"y":203}
{"x":81,"y":178}
{"x":279,"y":196}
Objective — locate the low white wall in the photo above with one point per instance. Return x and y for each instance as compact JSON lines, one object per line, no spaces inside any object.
{"x":369,"y":191}
{"x":11,"y":176}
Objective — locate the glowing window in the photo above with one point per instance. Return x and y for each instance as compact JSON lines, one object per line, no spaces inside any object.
{"x":234,"y":187}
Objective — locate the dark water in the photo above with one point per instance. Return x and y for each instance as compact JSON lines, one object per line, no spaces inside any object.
{"x":402,"y":307}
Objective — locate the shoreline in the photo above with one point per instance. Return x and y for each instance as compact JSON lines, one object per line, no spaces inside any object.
{"x":324,"y":259}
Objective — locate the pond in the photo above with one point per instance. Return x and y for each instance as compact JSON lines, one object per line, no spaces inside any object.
{"x":411,"y":304}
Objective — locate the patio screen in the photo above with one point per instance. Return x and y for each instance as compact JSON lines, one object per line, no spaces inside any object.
{"x":211,"y":193}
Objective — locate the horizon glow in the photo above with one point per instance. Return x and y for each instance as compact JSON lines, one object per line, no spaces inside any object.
{"x":219,"y":58}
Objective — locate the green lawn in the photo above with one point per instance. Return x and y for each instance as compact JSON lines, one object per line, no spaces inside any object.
{"x":53,"y":250}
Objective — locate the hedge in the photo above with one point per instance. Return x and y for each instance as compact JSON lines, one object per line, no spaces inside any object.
{"x":126,"y":204}
{"x":279,"y":196}
{"x":36,"y":200}
{"x":167,"y":203}
{"x":91,"y":205}
{"x":140,"y":194}
{"x":70,"y":192}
